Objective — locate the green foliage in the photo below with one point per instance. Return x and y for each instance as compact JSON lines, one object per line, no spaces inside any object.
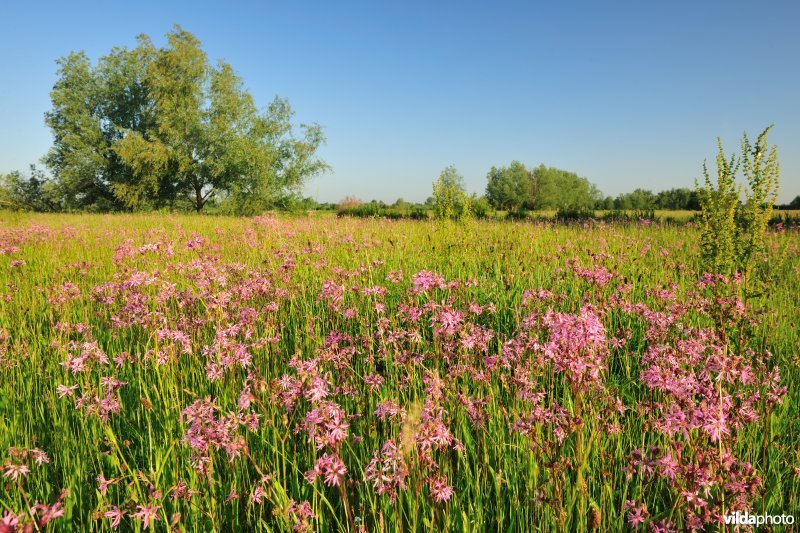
{"x":638,"y":199}
{"x":81,"y":157}
{"x":364,"y":210}
{"x":521,"y":215}
{"x":678,"y":199}
{"x":606,"y":203}
{"x":450,"y":198}
{"x":785,"y":220}
{"x":718,"y":205}
{"x":162,"y":127}
{"x":761,"y":172}
{"x":376,"y":209}
{"x":732,"y":238}
{"x":510,"y":188}
{"x":481,"y":207}
{"x":560,"y":189}
{"x":570,"y":214}
{"x":545,"y":188}
{"x":32,"y":193}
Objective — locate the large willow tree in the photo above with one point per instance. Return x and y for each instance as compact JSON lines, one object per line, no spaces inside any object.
{"x":163,"y":127}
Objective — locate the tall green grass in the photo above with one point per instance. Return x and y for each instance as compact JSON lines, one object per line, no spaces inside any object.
{"x":499,"y":482}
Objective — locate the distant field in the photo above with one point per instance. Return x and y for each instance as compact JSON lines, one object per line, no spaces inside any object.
{"x":212,"y":373}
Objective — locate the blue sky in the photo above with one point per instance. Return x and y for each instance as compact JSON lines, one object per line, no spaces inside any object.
{"x":627,"y":94}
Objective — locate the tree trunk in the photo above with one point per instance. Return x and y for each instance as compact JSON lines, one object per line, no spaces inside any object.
{"x":198,"y":194}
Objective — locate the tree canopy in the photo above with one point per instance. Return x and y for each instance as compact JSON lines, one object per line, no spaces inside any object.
{"x":510,"y":187}
{"x":164,"y":127}
{"x":516,"y":187}
{"x":560,"y":189}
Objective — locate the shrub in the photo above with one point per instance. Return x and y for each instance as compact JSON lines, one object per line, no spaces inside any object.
{"x":570,"y":214}
{"x":450,"y":199}
{"x":732,"y":238}
{"x":517,"y":215}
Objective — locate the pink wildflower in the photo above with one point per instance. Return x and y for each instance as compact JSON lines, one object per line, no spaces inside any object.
{"x":64,"y":390}
{"x":115,"y":514}
{"x":146,"y":513}
{"x":637,"y":515}
{"x":10,"y":521}
{"x":331,"y":468}
{"x":39,"y":457}
{"x":440,"y":490}
{"x":258,"y":494}
{"x":15,"y":472}
{"x":103,"y":483}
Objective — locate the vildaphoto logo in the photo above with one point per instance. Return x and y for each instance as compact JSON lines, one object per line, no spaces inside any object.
{"x":746,"y":519}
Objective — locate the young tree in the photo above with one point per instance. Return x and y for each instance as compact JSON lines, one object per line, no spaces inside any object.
{"x":732,"y":243}
{"x":153,"y":127}
{"x":732,"y":237}
{"x":450,"y":199}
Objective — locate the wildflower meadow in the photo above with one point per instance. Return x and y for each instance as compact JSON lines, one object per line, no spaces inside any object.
{"x":276,"y":373}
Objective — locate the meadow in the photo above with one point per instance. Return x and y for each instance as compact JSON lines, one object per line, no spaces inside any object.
{"x":200,"y":373}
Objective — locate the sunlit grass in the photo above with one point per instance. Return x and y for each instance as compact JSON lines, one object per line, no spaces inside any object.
{"x":499,"y":480}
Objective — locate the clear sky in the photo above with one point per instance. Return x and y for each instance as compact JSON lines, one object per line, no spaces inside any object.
{"x":627,"y":94}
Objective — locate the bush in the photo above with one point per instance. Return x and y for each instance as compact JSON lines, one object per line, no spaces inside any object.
{"x":574,"y":214}
{"x":480,"y":207}
{"x":785,"y":220}
{"x":419,"y":214}
{"x":450,"y":198}
{"x":517,"y":215}
{"x":361,"y":211}
{"x":732,"y":239}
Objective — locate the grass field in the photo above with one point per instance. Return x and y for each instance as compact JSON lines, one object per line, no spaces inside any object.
{"x":207,"y":373}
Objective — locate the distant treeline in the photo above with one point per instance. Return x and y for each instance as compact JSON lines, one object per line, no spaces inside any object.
{"x":34,"y":191}
{"x":516,"y":187}
{"x":516,"y":190}
{"x":420,"y":211}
